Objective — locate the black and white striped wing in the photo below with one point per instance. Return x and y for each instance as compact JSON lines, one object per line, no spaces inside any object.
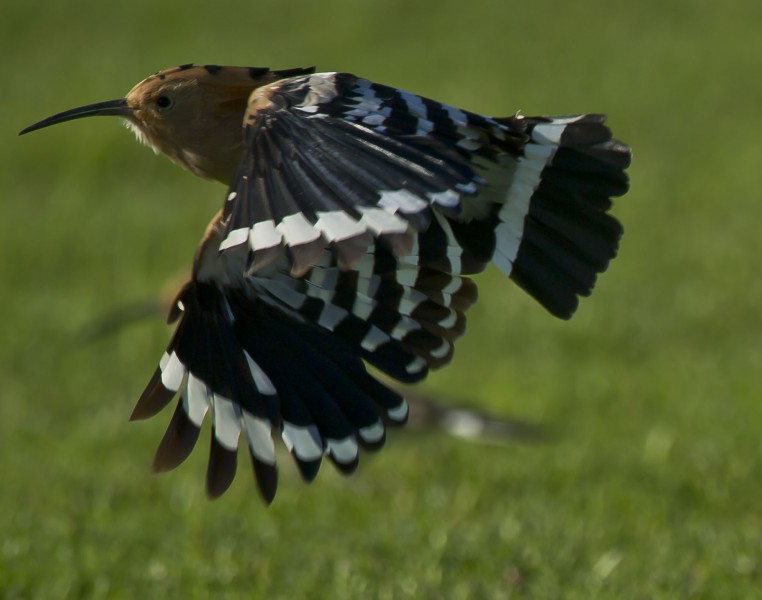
{"x":334,"y":159}
{"x":275,"y":354}
{"x":355,"y":212}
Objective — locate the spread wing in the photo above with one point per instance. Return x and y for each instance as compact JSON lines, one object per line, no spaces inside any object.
{"x":333,"y":158}
{"x":354,"y":214}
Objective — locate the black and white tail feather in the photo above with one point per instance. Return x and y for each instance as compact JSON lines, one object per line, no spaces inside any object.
{"x":355,"y":212}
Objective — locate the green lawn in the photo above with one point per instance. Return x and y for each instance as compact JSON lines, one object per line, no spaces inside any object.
{"x":649,"y":482}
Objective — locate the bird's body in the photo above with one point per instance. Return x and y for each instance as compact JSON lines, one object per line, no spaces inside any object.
{"x":353,"y":212}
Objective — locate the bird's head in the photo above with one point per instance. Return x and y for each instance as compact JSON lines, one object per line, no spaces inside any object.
{"x":193,"y":114}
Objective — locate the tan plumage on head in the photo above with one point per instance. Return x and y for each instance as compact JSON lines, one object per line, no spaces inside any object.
{"x":354,"y":212}
{"x":194,"y":115}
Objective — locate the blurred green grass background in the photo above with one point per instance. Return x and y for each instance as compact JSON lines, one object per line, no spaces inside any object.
{"x":649,"y":485}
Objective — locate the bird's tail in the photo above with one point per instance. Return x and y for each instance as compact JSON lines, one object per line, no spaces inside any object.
{"x":568,"y":236}
{"x":548,"y":205}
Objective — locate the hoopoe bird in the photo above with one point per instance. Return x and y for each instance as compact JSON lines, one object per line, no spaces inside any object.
{"x":353,"y":214}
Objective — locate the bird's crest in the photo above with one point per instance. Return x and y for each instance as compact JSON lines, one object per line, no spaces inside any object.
{"x":224,"y":77}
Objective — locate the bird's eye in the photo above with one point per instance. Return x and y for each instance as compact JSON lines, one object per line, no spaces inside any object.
{"x":164,"y":102}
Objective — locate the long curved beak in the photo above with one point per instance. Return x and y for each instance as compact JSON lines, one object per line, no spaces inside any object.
{"x":118,"y":108}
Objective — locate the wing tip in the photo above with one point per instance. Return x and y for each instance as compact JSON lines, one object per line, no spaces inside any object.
{"x":154,"y":398}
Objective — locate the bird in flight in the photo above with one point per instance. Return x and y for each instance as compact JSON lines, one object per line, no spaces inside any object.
{"x":354,"y":212}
